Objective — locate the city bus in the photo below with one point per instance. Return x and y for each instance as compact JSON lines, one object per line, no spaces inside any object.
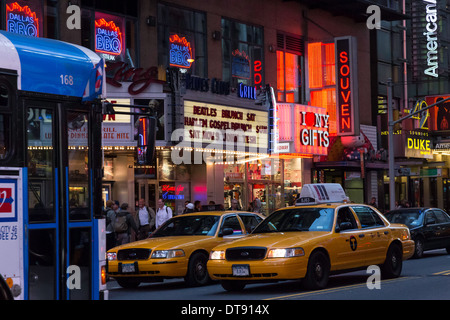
{"x":52,"y":228}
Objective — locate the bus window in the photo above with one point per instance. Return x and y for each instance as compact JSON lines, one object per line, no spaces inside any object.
{"x":78,"y":166}
{"x":4,"y":122}
{"x":40,"y":165}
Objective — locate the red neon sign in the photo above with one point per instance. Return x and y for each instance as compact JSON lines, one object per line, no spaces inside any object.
{"x":347,"y":112}
{"x":108,"y":37}
{"x":257,"y":68}
{"x":21,"y":20}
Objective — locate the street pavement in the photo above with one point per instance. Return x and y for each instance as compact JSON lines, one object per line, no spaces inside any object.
{"x":422,"y":279}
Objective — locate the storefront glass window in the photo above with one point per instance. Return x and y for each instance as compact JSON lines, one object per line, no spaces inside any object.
{"x":292,"y":180}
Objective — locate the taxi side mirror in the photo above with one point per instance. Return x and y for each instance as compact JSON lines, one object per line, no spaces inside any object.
{"x":344,"y":226}
{"x":226,"y":232}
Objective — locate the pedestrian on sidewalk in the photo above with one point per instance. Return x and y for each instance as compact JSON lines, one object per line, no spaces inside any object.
{"x":123,"y":225}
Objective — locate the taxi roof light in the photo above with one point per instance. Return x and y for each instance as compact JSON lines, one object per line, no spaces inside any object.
{"x":318,"y":193}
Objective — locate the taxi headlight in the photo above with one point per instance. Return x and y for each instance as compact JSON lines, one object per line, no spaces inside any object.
{"x":217,"y":255}
{"x":286,"y":253}
{"x":111,"y":256}
{"x":167,"y":254}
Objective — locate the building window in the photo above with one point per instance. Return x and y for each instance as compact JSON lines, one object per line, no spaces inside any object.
{"x":289,"y":68}
{"x":187,"y":24}
{"x":242,"y":53}
{"x":322,"y":79}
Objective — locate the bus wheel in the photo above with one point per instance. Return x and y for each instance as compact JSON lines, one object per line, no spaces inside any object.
{"x":128,"y":283}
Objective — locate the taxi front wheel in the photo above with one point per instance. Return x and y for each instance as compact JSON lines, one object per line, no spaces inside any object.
{"x":197,"y":274}
{"x":318,"y":271}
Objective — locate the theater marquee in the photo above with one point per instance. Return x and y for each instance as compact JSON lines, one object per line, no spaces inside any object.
{"x":207,"y":123}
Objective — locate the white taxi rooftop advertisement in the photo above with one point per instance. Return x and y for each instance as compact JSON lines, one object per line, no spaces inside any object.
{"x":322,"y":193}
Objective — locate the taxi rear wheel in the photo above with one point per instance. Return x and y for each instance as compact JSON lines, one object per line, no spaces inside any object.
{"x":392,"y":267}
{"x":318,"y":271}
{"x":197,"y":274}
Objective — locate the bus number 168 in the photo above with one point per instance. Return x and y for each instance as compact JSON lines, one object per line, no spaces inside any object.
{"x":66,"y":80}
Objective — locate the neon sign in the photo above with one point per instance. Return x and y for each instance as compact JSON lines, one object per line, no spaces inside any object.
{"x":247,"y":92}
{"x":21,"y":20}
{"x":108,"y":37}
{"x":180,"y":54}
{"x":347,"y":109}
{"x":432,"y":29}
{"x":171,"y":192}
{"x":257,"y":69}
{"x":240,"y":65}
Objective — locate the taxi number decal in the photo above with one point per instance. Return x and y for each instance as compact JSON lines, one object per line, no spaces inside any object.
{"x":353,"y":243}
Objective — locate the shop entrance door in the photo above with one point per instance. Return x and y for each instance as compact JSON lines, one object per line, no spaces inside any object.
{"x":147,"y":190}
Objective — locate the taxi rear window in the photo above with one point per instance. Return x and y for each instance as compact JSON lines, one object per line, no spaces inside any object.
{"x":298,"y":219}
{"x":367,"y":217}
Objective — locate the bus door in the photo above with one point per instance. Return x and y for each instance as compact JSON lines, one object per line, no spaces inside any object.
{"x":62,"y":262}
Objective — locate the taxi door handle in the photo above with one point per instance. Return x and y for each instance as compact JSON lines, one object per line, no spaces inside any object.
{"x":362,"y":235}
{"x":386,"y":232}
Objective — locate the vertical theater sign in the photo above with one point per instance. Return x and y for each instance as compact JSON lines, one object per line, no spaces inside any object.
{"x":347,"y":112}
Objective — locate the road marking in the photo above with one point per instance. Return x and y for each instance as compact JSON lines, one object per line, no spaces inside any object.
{"x":442,"y":273}
{"x":337,"y":289}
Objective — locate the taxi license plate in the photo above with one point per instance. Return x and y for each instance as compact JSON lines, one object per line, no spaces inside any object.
{"x":241,"y":270}
{"x":128,"y":267}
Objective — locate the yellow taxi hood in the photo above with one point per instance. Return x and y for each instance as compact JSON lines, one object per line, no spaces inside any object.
{"x":166,"y":243}
{"x":275,"y":240}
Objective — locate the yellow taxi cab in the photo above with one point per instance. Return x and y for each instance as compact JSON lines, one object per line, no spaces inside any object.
{"x":323,"y":234}
{"x":179,"y":248}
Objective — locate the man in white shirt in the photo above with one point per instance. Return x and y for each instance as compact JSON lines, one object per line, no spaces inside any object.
{"x":163,"y":213}
{"x":145,"y":220}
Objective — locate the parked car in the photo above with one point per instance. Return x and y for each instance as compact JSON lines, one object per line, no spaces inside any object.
{"x":429,"y":227}
{"x":179,"y":248}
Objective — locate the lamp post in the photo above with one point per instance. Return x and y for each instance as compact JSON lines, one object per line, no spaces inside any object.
{"x":391,"y":146}
{"x":391,"y":124}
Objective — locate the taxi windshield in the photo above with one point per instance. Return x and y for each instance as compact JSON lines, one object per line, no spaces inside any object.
{"x":188,"y":226}
{"x":297,"y":219}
